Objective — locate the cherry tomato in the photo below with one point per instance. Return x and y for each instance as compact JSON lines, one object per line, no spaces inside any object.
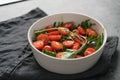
{"x":38,"y":44}
{"x":47,"y":47}
{"x":76,"y":46}
{"x":81,"y":30}
{"x":56,"y":45}
{"x":55,"y":37}
{"x":59,"y":54}
{"x":43,"y":37}
{"x":68,"y":25}
{"x":53,"y":33}
{"x":68,"y":43}
{"x":91,"y":32}
{"x":63,"y":31}
{"x":89,"y":51}
{"x":78,"y":56}
{"x":49,"y":27}
{"x":77,"y":40}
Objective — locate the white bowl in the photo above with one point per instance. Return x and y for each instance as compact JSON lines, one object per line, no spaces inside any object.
{"x":66,"y":66}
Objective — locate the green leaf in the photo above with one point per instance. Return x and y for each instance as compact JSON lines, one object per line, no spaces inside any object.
{"x":86,"y":24}
{"x":64,"y":48}
{"x":54,"y":24}
{"x":50,"y":53}
{"x":68,"y":37}
{"x":58,"y":24}
{"x":74,"y":26}
{"x":99,"y":41}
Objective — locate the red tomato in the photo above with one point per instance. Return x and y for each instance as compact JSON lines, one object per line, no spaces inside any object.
{"x":77,"y":40}
{"x":91,"y":32}
{"x":47,"y":47}
{"x":89,"y":51}
{"x":63,"y":31}
{"x":78,"y":56}
{"x":43,"y":37}
{"x":38,"y":44}
{"x":59,"y":54}
{"x":55,"y":37}
{"x":53,"y":33}
{"x":49,"y":27}
{"x":76,"y":46}
{"x":56,"y":45}
{"x":68,"y":25}
{"x":81,"y":30}
{"x":68,"y":43}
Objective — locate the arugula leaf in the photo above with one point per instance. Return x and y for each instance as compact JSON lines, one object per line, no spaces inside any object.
{"x":68,"y":37}
{"x":86,"y":24}
{"x":54,"y":24}
{"x":99,"y":41}
{"x":74,"y":27}
{"x":50,"y":53}
{"x":64,"y":47}
{"x":57,"y":24}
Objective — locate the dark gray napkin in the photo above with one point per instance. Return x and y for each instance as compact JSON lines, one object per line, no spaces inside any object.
{"x":18,"y":63}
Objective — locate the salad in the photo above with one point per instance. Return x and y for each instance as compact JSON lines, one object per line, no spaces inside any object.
{"x":68,"y":40}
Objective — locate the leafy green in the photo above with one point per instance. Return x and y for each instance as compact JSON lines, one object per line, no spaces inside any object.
{"x":74,"y":27}
{"x":90,"y":38}
{"x":99,"y":41}
{"x":50,"y":53}
{"x":58,"y":24}
{"x":64,"y":47}
{"x":68,"y":37}
{"x":86,"y":24}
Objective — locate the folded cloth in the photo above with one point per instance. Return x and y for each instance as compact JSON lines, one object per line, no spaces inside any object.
{"x":17,"y":61}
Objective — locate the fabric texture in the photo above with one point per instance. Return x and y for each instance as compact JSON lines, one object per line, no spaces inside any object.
{"x":18,"y":63}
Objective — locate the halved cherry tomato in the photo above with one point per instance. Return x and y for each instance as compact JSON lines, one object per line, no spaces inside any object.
{"x":77,"y":40}
{"x":56,"y":45}
{"x":78,"y":56}
{"x":59,"y":54}
{"x":68,"y":25}
{"x":43,"y":37}
{"x":53,"y":33}
{"x":63,"y":31}
{"x":89,"y":51}
{"x":49,"y":27}
{"x":76,"y":46}
{"x":47,"y":47}
{"x":68,"y":43}
{"x":81,"y":30}
{"x":38,"y":44}
{"x":91,"y":32}
{"x":55,"y":37}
